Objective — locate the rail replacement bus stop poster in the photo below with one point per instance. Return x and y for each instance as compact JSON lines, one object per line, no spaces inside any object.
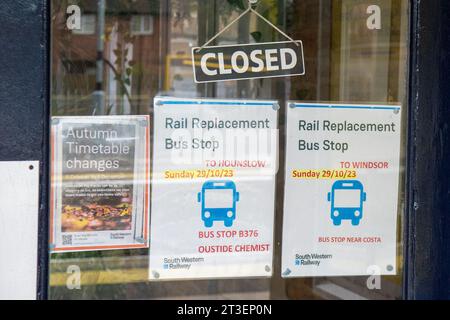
{"x":341,"y":190}
{"x":213,"y":189}
{"x":100,"y":183}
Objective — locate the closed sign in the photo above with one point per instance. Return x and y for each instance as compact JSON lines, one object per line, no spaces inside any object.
{"x":248,"y":61}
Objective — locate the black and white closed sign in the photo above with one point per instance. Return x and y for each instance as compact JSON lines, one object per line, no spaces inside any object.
{"x":248,"y":61}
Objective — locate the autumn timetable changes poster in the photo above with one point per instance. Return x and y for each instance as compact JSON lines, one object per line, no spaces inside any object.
{"x":100,"y":186}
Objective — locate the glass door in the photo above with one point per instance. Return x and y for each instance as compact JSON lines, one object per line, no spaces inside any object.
{"x":119,"y":55}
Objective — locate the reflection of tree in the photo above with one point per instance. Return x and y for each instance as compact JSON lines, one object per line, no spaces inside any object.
{"x":122,"y":66}
{"x":183,"y":9}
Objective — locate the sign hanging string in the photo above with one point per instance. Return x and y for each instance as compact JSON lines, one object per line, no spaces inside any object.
{"x":250,"y":9}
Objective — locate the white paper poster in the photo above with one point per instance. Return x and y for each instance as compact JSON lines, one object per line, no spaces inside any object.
{"x":213,"y":188}
{"x":341,"y":190}
{"x":100,"y":183}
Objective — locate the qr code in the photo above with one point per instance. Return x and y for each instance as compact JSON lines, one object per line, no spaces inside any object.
{"x":67,"y":240}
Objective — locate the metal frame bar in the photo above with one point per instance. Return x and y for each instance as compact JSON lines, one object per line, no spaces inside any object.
{"x":427,"y":225}
{"x":44,"y":256}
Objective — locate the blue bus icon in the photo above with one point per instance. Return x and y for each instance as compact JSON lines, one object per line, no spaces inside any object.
{"x":347,"y":198}
{"x":218,"y":199}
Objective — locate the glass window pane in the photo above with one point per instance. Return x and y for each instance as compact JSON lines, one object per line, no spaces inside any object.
{"x":351,"y":56}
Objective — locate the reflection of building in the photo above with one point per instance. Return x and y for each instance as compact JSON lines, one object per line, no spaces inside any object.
{"x":346,"y":61}
{"x":131,"y":57}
